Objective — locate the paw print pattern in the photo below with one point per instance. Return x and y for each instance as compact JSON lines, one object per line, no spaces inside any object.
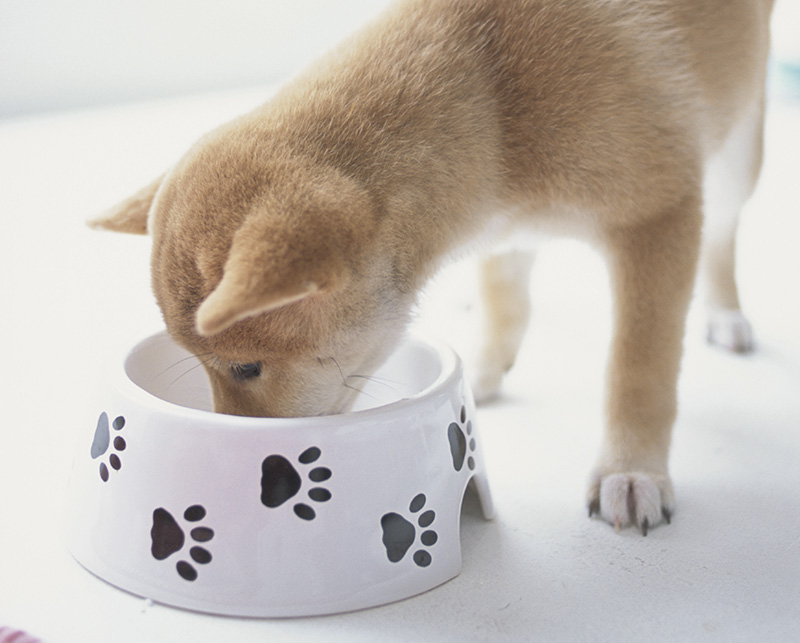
{"x":462,"y":443}
{"x":102,"y":443}
{"x":280,"y":482}
{"x":168,"y":538}
{"x":400,"y":534}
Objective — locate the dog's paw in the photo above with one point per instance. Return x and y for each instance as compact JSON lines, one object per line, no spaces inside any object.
{"x":730,"y":330}
{"x":639,"y":499}
{"x":486,"y":382}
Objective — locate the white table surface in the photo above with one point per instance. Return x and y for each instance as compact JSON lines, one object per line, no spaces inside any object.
{"x":727,"y":569}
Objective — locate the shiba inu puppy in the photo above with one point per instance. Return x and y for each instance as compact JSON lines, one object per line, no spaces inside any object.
{"x":289,"y":244}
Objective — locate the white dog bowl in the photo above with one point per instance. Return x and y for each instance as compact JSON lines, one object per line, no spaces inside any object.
{"x":270,"y":516}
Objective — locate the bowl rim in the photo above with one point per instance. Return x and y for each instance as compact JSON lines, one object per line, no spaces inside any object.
{"x":448,"y":361}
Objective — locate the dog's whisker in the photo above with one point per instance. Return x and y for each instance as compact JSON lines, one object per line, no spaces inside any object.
{"x":361,"y":391}
{"x":196,"y":366}
{"x":179,"y":362}
{"x":389,"y":384}
{"x":344,"y":377}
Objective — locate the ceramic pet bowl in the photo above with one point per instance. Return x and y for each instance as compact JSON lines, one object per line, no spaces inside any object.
{"x":270,"y":516}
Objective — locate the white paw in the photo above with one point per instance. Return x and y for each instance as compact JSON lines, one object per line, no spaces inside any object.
{"x":729,"y":329}
{"x":489,"y":371}
{"x":638,"y":499}
{"x":486,"y":383}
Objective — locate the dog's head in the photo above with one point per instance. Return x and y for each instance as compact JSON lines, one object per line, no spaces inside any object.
{"x":269,"y":270}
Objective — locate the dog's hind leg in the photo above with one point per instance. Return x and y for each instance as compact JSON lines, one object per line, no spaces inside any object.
{"x":652,"y":265}
{"x":730,"y":178}
{"x":504,"y":290}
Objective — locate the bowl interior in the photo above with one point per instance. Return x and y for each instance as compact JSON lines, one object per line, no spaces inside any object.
{"x":163,"y":369}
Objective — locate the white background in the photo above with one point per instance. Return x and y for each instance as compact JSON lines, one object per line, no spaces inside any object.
{"x":56,"y":54}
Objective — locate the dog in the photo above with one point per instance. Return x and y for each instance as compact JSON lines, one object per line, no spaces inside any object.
{"x":289,"y":245}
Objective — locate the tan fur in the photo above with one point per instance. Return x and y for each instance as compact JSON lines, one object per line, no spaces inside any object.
{"x":298,"y":235}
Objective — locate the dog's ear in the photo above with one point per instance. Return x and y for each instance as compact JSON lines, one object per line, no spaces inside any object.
{"x":271,"y":265}
{"x":130,"y":215}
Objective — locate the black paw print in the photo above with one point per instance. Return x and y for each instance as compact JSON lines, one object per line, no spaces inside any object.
{"x":399,"y":534}
{"x":459,"y":447}
{"x":102,"y":442}
{"x":168,"y":537}
{"x":280,"y":481}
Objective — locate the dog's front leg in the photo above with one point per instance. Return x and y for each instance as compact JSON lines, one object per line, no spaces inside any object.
{"x":652,"y":266}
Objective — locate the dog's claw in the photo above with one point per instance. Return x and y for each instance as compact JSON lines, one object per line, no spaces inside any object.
{"x":631,"y":499}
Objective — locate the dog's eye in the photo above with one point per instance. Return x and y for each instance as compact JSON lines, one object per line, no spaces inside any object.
{"x":244,"y":372}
